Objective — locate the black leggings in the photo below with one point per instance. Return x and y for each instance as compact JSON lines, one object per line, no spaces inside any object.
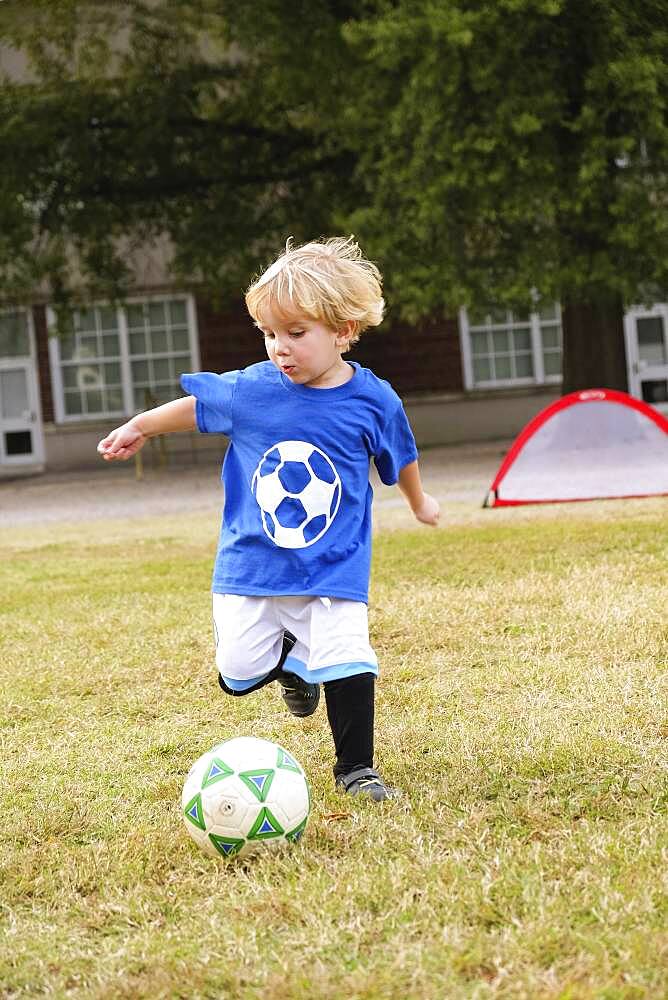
{"x":350,"y":712}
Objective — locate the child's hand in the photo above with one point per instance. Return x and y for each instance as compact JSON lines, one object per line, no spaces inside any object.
{"x":428,"y":511}
{"x":122,"y":443}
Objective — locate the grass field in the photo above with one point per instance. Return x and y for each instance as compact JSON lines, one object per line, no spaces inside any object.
{"x":522,"y":707}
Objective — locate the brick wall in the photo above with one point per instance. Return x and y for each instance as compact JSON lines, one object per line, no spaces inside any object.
{"x":419,"y":359}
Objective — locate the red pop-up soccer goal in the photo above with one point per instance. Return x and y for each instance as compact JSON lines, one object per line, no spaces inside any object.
{"x":590,"y":445}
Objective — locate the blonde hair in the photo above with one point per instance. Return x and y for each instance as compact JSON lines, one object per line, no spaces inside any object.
{"x":327,"y":280}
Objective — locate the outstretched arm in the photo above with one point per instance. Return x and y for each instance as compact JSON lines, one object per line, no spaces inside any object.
{"x":126,"y":440}
{"x":424,"y":506}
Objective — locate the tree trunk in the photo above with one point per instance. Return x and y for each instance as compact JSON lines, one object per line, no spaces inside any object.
{"x":594,"y":348}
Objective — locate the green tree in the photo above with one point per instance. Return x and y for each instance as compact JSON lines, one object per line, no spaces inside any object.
{"x":516,"y":145}
{"x":137,"y":120}
{"x":484,"y":150}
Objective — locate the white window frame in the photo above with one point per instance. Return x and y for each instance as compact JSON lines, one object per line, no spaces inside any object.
{"x":124,"y":360}
{"x":538,"y":378}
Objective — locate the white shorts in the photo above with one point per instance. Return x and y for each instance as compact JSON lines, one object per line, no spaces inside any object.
{"x":332,"y":638}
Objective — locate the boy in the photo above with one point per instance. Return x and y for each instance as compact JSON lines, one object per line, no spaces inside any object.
{"x":290,"y":596}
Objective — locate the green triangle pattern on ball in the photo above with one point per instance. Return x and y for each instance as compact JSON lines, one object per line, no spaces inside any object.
{"x":295,"y":835}
{"x":287,"y":762}
{"x":216,"y":770}
{"x":258,"y":781}
{"x":194,"y":812}
{"x":265,"y":826}
{"x":227,"y":846}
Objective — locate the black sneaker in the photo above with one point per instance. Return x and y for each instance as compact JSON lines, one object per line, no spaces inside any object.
{"x":365,"y":781}
{"x":301,"y":697}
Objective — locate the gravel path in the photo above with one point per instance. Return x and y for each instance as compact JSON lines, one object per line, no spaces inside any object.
{"x":458,"y":473}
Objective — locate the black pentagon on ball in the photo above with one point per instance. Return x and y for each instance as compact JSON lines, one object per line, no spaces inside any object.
{"x":294,"y":476}
{"x":290,"y":513}
{"x":322,"y":467}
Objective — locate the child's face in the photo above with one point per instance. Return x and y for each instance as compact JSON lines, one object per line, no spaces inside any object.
{"x":306,"y":350}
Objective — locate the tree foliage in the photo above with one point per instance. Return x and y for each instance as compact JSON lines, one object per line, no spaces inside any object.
{"x":521,"y":143}
{"x":145,"y":119}
{"x":483,"y":150}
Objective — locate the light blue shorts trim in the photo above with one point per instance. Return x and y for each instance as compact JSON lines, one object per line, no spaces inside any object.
{"x":295,"y":666}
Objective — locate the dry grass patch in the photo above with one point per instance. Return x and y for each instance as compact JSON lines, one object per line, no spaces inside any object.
{"x":522,"y":707}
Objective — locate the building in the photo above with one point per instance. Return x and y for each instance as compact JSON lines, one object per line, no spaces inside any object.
{"x":476,"y":377}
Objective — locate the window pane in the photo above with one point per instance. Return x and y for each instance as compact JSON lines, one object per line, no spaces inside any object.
{"x":180,"y":340}
{"x":522,"y":339}
{"x":182,"y":364}
{"x":523,"y":366}
{"x":502,"y":367}
{"x":14,"y":339}
{"x":73,"y":403}
{"x":145,"y":397}
{"x":140,"y":371}
{"x":93,"y":401}
{"x":18,"y":443}
{"x":500,"y":341}
{"x":651,"y":345}
{"x":89,"y":377}
{"x":165,"y":391}
{"x":481,"y":370}
{"x":85,"y":320}
{"x":67,"y":347}
{"x":552,"y":363}
{"x":159,"y":341}
{"x":138,"y":343}
{"x":550,"y":336}
{"x":87,"y":346}
{"x":156,"y":314}
{"x":135,"y":317}
{"x":108,"y":318}
{"x":177,"y":313}
{"x":70,"y":376}
{"x":13,"y":394}
{"x":111,"y":345}
{"x":114,"y":399}
{"x":161,"y":370}
{"x":478,"y":343}
{"x":499,"y":316}
{"x":112,"y":374}
{"x":655,"y":391}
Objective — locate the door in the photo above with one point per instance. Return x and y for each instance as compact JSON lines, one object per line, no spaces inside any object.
{"x":646,"y":332}
{"x":21,"y":440}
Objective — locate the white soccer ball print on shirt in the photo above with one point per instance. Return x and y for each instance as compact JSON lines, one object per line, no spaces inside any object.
{"x":298,"y":491}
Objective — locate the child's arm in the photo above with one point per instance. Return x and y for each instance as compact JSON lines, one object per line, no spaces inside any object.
{"x":126,"y":440}
{"x":423,"y":505}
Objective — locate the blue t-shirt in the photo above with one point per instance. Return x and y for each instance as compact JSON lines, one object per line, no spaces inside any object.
{"x":297,"y":514}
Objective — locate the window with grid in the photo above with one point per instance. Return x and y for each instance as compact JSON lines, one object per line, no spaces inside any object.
{"x":502,"y":347}
{"x":159,"y":350}
{"x":115,"y":362}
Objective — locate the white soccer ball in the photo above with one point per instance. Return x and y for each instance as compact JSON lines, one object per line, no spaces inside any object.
{"x":243,"y":794}
{"x":298,"y":491}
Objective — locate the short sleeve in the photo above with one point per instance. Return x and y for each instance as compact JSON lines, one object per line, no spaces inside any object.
{"x":396,"y":447}
{"x":214,"y":394}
